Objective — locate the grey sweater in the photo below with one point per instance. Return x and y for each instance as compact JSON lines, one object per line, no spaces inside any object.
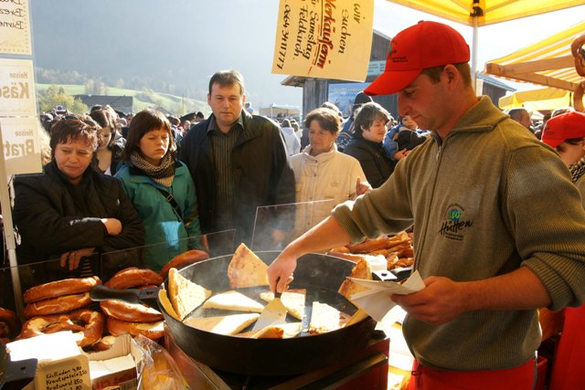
{"x":485,"y":201}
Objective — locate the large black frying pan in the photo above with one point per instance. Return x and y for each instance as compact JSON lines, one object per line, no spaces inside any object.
{"x":321,"y":275}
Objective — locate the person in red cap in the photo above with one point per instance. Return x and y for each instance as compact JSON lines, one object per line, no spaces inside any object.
{"x":566,"y":133}
{"x":498,"y":224}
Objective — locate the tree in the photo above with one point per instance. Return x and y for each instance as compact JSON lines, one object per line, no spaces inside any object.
{"x":55,"y":96}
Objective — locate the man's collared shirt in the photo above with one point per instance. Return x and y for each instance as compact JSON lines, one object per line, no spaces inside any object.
{"x":222,"y":145}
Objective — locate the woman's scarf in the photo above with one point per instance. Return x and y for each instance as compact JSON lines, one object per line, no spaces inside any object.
{"x":577,"y":170}
{"x":163,"y":173}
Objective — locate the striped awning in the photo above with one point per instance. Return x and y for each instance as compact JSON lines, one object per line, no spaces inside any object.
{"x":548,"y":62}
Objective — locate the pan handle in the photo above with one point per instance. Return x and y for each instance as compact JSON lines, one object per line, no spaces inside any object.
{"x":102,"y":293}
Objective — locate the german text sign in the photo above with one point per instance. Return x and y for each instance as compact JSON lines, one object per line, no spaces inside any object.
{"x":17,"y":88}
{"x":22,"y":149}
{"x":15,"y":27}
{"x":324,"y":38}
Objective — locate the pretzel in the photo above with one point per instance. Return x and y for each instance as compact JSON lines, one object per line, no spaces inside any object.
{"x":90,"y":325}
{"x":579,"y":54}
{"x":60,"y":288}
{"x":183,"y":260}
{"x":57,"y":305}
{"x":130,"y":311}
{"x":133,"y":277}
{"x":152,"y":330}
{"x":8,"y":324}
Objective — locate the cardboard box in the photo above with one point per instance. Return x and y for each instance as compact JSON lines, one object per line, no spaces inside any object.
{"x":115,"y":366}
{"x":63,"y":365}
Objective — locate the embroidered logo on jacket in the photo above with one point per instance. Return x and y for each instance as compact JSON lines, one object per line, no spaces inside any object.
{"x":454,"y":226}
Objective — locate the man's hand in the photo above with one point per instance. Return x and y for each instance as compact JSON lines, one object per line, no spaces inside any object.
{"x":281,"y":270}
{"x":73,"y":258}
{"x":443,"y":299}
{"x":439,"y":302}
{"x":401,"y":154}
{"x":113,"y":226}
{"x":362,"y":188}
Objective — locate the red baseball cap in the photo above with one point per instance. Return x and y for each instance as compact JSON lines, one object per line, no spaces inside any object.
{"x":560,"y":128}
{"x":424,"y":45}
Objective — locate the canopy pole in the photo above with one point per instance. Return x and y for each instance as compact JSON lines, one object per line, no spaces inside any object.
{"x":474,"y":54}
{"x":9,"y":234}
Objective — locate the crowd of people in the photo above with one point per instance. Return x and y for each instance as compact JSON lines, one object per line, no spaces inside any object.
{"x":498,"y":219}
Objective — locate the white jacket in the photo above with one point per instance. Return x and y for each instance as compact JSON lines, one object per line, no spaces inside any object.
{"x":293,"y":143}
{"x":322,"y":182}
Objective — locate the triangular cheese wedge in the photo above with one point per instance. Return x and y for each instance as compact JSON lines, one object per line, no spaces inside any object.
{"x":362,"y":270}
{"x":325,"y":318}
{"x":246,"y":269}
{"x":226,"y":325}
{"x":233,"y":300}
{"x":185,"y":296}
{"x":293,"y":300}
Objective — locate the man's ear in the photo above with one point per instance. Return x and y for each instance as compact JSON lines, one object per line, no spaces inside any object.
{"x":451,"y":75}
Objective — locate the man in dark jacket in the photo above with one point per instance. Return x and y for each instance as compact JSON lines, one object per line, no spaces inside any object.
{"x":238,"y":162}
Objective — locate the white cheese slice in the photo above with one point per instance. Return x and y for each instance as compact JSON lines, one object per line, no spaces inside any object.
{"x":233,"y":300}
{"x":226,"y":325}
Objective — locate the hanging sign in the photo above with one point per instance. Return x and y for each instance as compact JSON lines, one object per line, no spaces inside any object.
{"x":324,"y":38}
{"x":22,"y":150}
{"x":17,"y":88}
{"x":15,"y":27}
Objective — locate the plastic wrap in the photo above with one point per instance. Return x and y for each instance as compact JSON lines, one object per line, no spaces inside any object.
{"x":158,"y":370}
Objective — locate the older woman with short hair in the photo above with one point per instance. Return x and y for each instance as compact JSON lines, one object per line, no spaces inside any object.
{"x":71,"y":211}
{"x":324,"y":175}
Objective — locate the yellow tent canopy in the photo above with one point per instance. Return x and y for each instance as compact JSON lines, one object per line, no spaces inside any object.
{"x":485,"y":12}
{"x":536,"y":99}
{"x":548,"y":62}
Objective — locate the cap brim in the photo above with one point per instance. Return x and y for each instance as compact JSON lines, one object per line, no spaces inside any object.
{"x":553,"y":143}
{"x":391,"y":82}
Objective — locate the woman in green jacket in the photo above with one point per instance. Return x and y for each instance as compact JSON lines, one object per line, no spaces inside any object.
{"x":160,"y":188}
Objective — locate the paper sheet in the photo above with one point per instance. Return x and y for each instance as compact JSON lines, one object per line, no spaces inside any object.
{"x":376,"y":300}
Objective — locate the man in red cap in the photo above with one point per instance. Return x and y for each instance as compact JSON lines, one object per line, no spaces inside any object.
{"x":566,"y":133}
{"x":498,"y":225}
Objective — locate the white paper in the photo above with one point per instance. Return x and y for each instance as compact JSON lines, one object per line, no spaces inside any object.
{"x":47,"y":347}
{"x":99,"y":368}
{"x":376,"y":300}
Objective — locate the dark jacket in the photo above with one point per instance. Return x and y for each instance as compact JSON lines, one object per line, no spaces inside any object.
{"x":373,"y":160}
{"x":261,"y":168}
{"x":53,"y":216}
{"x":117,"y":146}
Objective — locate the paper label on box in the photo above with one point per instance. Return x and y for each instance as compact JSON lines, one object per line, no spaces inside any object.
{"x":70,"y":374}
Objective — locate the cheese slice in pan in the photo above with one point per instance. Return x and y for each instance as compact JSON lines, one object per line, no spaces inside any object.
{"x":226,"y":325}
{"x":362,"y":270}
{"x":233,"y":300}
{"x":246,"y":269}
{"x":325,"y":318}
{"x":293,"y":300}
{"x":185,"y":296}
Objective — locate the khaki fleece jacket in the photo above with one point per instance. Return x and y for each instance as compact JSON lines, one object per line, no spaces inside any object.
{"x":485,"y":201}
